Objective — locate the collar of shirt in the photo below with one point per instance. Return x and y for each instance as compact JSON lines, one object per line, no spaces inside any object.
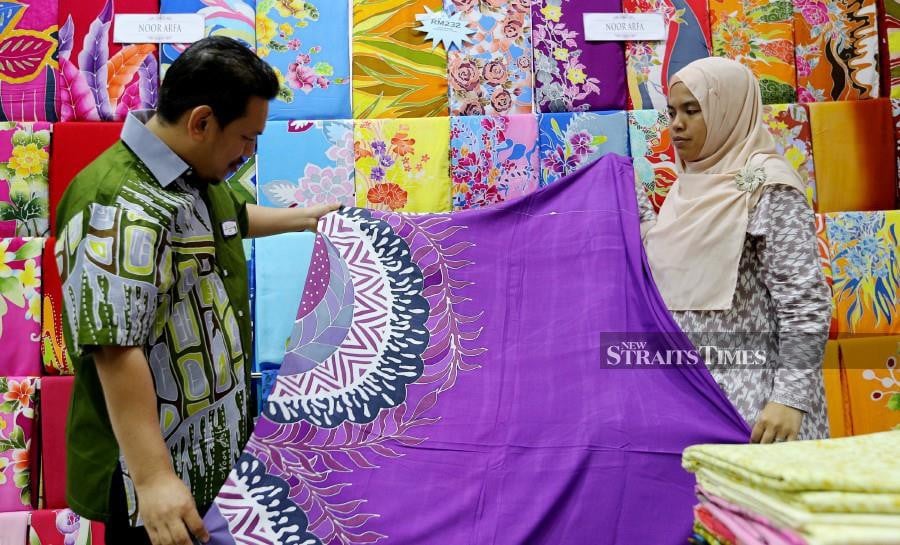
{"x":165,"y":165}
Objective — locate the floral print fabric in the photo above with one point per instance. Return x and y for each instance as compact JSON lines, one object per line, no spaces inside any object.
{"x":837,"y":49}
{"x":402,"y":165}
{"x":100,"y":80}
{"x":305,"y":43}
{"x":492,"y":75}
{"x":18,"y":401}
{"x":52,"y":527}
{"x":653,"y":153}
{"x":789,"y":125}
{"x":234,"y":19}
{"x":866,"y":271}
{"x":28,"y":45}
{"x":760,"y":34}
{"x":20,"y":306}
{"x":492,"y":159}
{"x":396,"y":72}
{"x":652,"y":64}
{"x":317,"y":169}
{"x":24,"y":185}
{"x":570,"y":141}
{"x":571,"y":74}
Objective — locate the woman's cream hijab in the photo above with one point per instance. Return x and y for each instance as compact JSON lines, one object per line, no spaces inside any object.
{"x":695,"y":247}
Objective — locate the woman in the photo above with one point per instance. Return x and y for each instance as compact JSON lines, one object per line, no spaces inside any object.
{"x":733,"y":252}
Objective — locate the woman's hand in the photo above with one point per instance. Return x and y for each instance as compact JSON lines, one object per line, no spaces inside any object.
{"x":777,"y":423}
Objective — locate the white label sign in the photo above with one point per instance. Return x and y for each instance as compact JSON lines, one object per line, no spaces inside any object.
{"x":159,"y":28}
{"x":619,"y":27}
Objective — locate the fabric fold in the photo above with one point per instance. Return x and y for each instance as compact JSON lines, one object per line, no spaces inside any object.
{"x":19,"y":397}
{"x":28,"y":68}
{"x":24,"y":179}
{"x":56,"y":396}
{"x":20,"y":301}
{"x":397,"y":377}
{"x":570,"y":141}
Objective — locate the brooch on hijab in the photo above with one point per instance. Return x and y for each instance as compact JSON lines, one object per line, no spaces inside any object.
{"x":750,"y":178}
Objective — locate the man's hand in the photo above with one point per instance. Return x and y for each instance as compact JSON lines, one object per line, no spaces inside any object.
{"x":777,"y":423}
{"x":265,"y":221}
{"x":168,"y":511}
{"x":165,"y":503}
{"x":314,"y":213}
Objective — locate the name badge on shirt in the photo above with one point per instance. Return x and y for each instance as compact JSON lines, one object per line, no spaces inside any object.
{"x":229,"y":228}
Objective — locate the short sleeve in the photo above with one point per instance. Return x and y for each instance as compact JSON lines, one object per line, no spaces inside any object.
{"x":114,"y":263}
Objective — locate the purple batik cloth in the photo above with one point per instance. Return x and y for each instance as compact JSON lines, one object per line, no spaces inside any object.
{"x":571,"y":74}
{"x":464,"y":378}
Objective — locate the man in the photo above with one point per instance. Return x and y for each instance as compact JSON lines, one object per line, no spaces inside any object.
{"x":156,"y":306}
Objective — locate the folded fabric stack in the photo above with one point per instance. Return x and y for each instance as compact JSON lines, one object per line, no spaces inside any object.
{"x":836,"y":491}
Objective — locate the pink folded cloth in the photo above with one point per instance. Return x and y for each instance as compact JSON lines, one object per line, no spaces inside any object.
{"x":748,"y":528}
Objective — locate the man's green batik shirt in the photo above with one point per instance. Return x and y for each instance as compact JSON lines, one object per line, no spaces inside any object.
{"x":150,"y":257}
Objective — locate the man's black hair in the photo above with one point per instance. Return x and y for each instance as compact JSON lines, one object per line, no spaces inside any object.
{"x":218,"y":72}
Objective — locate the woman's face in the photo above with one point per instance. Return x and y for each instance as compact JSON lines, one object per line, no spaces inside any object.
{"x":687,"y":124}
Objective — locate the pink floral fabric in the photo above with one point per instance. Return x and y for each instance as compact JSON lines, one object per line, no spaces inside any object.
{"x":20,"y":306}
{"x":492,"y":75}
{"x":18,"y":400}
{"x":492,"y":159}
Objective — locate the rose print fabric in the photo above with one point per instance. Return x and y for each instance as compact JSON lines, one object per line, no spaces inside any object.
{"x":789,"y":125}
{"x":28,"y":46}
{"x":24,"y":182}
{"x":302,"y":163}
{"x":652,"y":64}
{"x":653,"y":153}
{"x":571,"y":74}
{"x":492,"y":75}
{"x":402,"y":165}
{"x":306,"y":43}
{"x":759,"y":34}
{"x":492,"y":159}
{"x":18,"y":402}
{"x":231,"y":18}
{"x":20,"y":306}
{"x":570,"y":141}
{"x":396,"y":72}
{"x":837,"y":49}
{"x":100,"y":80}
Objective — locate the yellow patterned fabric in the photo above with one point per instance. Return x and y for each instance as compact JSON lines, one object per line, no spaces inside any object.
{"x":402,"y":165}
{"x":784,"y":510}
{"x":864,"y":463}
{"x":396,"y":72}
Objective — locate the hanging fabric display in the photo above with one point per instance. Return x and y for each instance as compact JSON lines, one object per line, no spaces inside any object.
{"x":866,"y":268}
{"x":572,"y":74}
{"x":653,"y":153}
{"x":308,"y":46}
{"x":234,"y":19}
{"x":396,"y":71}
{"x":19,"y":397}
{"x":24,"y":179}
{"x":408,"y":369}
{"x":76,"y":145}
{"x":100,"y":80}
{"x":20,"y":306}
{"x":492,"y":159}
{"x":570,"y":141}
{"x":837,"y":49}
{"x":28,"y":47}
{"x":492,"y":74}
{"x":759,"y":34}
{"x":303,"y":163}
{"x":853,"y":153}
{"x":402,"y":165}
{"x":789,"y":125}
{"x":651,"y":64}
